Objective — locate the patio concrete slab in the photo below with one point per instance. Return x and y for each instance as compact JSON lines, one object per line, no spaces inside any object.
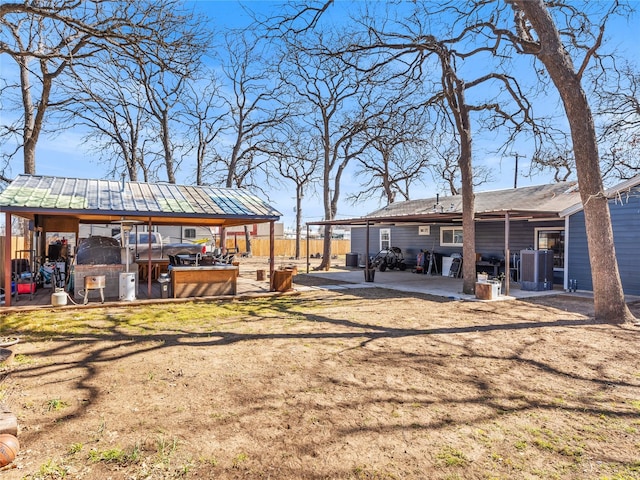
{"x":406,"y":281}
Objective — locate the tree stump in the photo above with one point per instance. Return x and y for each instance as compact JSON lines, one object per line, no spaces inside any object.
{"x":6,"y":356}
{"x":8,"y":423}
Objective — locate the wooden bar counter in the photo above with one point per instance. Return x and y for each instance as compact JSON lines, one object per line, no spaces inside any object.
{"x":203,"y":281}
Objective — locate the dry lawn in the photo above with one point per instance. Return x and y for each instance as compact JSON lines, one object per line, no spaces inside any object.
{"x":358,"y":384}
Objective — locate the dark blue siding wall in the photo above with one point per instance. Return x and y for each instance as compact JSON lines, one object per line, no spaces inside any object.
{"x":625,"y":218}
{"x":489,"y":239}
{"x":578,"y":265}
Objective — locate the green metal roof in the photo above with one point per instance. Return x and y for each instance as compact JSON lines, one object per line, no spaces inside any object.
{"x":36,"y":194}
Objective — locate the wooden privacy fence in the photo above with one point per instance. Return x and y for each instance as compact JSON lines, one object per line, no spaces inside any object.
{"x":260,"y":248}
{"x":17,"y":243}
{"x":287,"y":247}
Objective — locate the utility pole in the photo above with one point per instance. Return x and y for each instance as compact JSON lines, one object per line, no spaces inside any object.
{"x":515,"y":174}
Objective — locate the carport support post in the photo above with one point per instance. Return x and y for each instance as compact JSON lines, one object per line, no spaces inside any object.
{"x":307,"y":248}
{"x":148,"y":259}
{"x":272,"y":253}
{"x":366,"y":249}
{"x":507,"y":254}
{"x":7,"y":260}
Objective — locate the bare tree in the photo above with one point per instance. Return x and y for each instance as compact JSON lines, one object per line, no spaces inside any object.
{"x":165,"y":68}
{"x":398,"y":154}
{"x":23,"y":39}
{"x":411,"y":47}
{"x":130,"y":97}
{"x":204,"y":118}
{"x":535,"y":33}
{"x":297,"y":156}
{"x":446,"y":164}
{"x":46,"y":38}
{"x":252,"y":105}
{"x":253,"y":108}
{"x":338,"y":103}
{"x":109,"y":103}
{"x":618,"y":111}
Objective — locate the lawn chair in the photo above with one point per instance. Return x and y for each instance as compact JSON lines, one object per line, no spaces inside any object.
{"x":456,"y":268}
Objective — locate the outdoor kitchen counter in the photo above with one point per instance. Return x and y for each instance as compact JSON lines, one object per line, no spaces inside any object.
{"x":203,"y":281}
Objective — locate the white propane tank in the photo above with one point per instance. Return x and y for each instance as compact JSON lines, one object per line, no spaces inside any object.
{"x":59,"y":297}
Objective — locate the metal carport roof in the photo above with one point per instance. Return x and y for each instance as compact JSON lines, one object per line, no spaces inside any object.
{"x":540,"y":201}
{"x":524,"y":203}
{"x":105,"y":201}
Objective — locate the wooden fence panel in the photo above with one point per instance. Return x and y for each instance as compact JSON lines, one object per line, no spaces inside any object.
{"x":17,"y":243}
{"x":284,"y":248}
{"x":287,"y":247}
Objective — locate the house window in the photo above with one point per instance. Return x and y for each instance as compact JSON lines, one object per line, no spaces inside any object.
{"x":451,"y":236}
{"x":189,"y":233}
{"x":385,"y":238}
{"x":552,"y":238}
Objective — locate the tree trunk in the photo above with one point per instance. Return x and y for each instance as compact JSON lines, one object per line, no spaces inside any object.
{"x":30,"y":133}
{"x":247,"y":241}
{"x":166,"y":145}
{"x":326,"y":249}
{"x":608,"y":295}
{"x":298,"y":218}
{"x":328,"y":210}
{"x":468,"y":210}
{"x":454,"y":89}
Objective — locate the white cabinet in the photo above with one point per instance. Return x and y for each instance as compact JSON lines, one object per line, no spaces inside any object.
{"x":446,"y":265}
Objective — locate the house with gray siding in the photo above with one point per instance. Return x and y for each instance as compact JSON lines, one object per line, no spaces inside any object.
{"x":490,"y":241}
{"x":507,"y":222}
{"x":624,"y":205}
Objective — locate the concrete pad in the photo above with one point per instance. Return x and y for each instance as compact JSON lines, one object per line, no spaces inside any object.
{"x":407,"y":281}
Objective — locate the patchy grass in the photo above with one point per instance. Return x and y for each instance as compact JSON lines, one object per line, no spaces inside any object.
{"x":362,"y":384}
{"x":116,"y":455}
{"x":56,"y":404}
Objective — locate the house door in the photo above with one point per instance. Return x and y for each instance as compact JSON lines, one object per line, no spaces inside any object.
{"x":552,"y":238}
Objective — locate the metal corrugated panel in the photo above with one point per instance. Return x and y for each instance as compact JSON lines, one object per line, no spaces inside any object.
{"x":136,"y":198}
{"x":189,"y":193}
{"x":202,"y":197}
{"x":77,"y":198}
{"x":143,"y":198}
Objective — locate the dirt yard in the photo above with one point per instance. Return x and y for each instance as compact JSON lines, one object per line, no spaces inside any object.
{"x":357,"y":384}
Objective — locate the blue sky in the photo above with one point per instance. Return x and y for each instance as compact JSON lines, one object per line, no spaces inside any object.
{"x":65,"y":155}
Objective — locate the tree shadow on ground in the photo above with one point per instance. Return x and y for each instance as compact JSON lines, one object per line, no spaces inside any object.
{"x":446,"y":365}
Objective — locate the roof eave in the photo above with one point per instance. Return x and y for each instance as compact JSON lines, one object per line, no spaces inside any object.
{"x":446,"y":217}
{"x":609,"y":193}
